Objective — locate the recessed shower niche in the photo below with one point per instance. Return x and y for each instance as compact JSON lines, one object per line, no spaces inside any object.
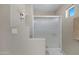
{"x":76,"y":28}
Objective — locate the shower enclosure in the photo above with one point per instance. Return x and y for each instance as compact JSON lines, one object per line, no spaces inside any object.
{"x":49,"y":28}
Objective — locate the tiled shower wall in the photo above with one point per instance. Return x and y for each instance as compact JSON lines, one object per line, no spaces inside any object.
{"x":48,"y":28}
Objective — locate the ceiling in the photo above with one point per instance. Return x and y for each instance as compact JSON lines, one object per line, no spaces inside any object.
{"x":46,"y":7}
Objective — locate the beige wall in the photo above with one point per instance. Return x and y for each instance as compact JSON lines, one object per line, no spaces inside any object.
{"x":5,"y":34}
{"x":38,"y":12}
{"x":44,"y":13}
{"x":76,"y":28}
{"x":9,"y":43}
{"x":61,"y":10}
{"x":29,"y":14}
{"x":19,"y":41}
{"x":70,"y":45}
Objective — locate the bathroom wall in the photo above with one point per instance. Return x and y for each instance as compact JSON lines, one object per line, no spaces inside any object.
{"x":44,"y":13}
{"x":44,"y":9}
{"x":62,"y":9}
{"x":14,"y":43}
{"x":70,"y":45}
{"x":76,"y":28}
{"x":23,"y":28}
{"x":5,"y":34}
{"x":15,"y":11}
{"x":29,"y":14}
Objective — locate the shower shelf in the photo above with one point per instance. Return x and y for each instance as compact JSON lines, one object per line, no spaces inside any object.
{"x":76,"y":38}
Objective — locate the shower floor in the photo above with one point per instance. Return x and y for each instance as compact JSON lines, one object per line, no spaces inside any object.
{"x":54,"y":51}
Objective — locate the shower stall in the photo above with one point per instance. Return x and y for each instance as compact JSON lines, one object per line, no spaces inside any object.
{"x":49,"y":28}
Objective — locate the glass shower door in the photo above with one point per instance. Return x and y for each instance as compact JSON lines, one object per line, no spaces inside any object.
{"x":48,"y":28}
